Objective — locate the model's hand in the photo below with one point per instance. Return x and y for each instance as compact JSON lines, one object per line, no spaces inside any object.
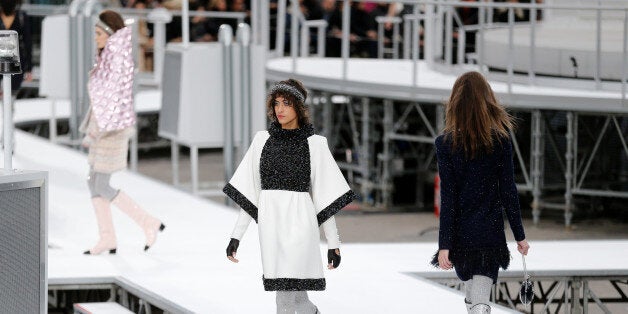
{"x":28,"y":76}
{"x":523,"y":247}
{"x":443,"y":260}
{"x":333,"y":258}
{"x":232,"y":248}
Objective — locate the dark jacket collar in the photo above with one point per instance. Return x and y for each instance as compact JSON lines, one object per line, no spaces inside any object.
{"x":303,"y":132}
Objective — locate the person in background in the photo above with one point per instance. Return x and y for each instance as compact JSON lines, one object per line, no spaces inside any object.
{"x":12,"y":18}
{"x":107,"y":126}
{"x":475,"y":164}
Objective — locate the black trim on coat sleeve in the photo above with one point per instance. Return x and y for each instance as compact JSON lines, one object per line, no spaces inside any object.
{"x":335,"y":207}
{"x":241,"y":200}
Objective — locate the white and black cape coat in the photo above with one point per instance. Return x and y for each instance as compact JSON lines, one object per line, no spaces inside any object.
{"x":290,"y":184}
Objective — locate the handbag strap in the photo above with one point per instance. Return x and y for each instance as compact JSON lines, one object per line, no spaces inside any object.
{"x":525,"y":269}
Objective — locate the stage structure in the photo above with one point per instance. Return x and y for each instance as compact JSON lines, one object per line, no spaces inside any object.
{"x":383,"y":115}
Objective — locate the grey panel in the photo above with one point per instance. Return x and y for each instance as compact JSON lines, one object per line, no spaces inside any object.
{"x":171,"y":98}
{"x":20,"y":251}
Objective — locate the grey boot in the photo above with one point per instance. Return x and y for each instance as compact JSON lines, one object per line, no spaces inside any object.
{"x":468,"y":304}
{"x":480,"y":308}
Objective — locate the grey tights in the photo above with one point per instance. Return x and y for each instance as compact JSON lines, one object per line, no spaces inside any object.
{"x":478,"y":289}
{"x":294,"y":301}
{"x":98,"y":184}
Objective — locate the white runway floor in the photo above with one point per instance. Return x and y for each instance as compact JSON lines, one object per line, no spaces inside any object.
{"x":188,"y":266}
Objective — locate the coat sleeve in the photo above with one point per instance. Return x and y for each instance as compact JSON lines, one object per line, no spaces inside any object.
{"x":245,"y":185}
{"x":447,"y":196}
{"x":330,"y":191}
{"x":508,"y":192}
{"x":331,"y":233}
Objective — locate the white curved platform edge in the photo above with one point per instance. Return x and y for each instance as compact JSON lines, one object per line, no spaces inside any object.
{"x":393,"y":79}
{"x":40,"y":109}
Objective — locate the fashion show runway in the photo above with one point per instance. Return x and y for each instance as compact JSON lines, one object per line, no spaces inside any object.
{"x":188,"y":267}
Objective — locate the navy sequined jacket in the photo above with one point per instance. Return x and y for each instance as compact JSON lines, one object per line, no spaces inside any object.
{"x":474,"y":194}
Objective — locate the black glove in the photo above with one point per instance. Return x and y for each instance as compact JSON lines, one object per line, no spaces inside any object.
{"x":233,"y":246}
{"x":333,"y":258}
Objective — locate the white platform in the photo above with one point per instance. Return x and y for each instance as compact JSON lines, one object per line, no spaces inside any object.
{"x":188,"y":267}
{"x":393,"y":79}
{"x":41,"y":109}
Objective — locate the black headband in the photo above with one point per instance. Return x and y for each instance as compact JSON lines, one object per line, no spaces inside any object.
{"x":286,"y":88}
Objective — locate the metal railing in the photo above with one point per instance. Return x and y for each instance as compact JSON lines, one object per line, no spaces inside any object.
{"x":438,"y":17}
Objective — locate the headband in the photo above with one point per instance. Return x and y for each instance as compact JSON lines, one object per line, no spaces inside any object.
{"x":293,"y":91}
{"x":105,"y":27}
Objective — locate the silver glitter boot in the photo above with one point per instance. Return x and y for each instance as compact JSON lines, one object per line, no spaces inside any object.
{"x":480,"y":308}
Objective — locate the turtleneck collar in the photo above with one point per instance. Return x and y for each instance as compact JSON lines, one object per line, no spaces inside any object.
{"x":302,"y":132}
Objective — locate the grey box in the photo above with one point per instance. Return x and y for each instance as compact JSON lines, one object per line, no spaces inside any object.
{"x":23,"y":242}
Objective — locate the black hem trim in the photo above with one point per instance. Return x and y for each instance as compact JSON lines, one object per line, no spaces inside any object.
{"x":241,"y":200}
{"x":294,"y":284}
{"x":335,"y":207}
{"x":481,"y":257}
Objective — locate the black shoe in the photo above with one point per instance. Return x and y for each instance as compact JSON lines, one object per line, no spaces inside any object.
{"x":161,"y":228}
{"x":112,"y":251}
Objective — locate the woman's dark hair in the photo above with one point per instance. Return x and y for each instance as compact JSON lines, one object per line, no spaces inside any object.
{"x":8,"y":7}
{"x":111,"y":19}
{"x":473,"y":116}
{"x":303,"y":114}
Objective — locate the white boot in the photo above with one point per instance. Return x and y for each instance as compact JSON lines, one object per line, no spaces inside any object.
{"x":148,"y":223}
{"x":107,"y":235}
{"x":480,"y":308}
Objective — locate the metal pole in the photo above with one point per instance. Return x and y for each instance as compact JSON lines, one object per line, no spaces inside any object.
{"x":305,"y":40}
{"x":511,"y":47}
{"x":536,"y":166}
{"x":598,"y":49}
{"x":415,"y":46}
{"x":532,"y":61}
{"x":294,"y":32}
{"x":625,"y":61}
{"x":395,"y":41}
{"x":244,"y":39}
{"x":265,"y":24}
{"x":281,"y":28}
{"x":74,"y":68}
{"x":255,"y":21}
{"x":8,"y":122}
{"x":388,"y":130}
{"x":225,"y":36}
{"x":479,"y":43}
{"x":568,"y":169}
{"x":449,"y":35}
{"x":185,"y":23}
{"x":321,"y":42}
{"x":406,"y":37}
{"x":159,"y":17}
{"x":365,"y":161}
{"x":346,"y":18}
{"x":380,"y":40}
{"x":428,"y":47}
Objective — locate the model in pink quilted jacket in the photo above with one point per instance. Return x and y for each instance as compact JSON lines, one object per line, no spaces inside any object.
{"x":108,"y":126}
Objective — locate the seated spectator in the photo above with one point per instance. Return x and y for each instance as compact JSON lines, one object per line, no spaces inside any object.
{"x":363,"y":32}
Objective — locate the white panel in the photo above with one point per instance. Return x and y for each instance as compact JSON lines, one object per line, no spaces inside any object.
{"x":55,"y":57}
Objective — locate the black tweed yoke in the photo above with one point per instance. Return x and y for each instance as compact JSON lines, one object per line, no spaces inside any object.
{"x":285,"y":161}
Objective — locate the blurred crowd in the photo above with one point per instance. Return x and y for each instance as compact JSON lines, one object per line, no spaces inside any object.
{"x":363,"y":27}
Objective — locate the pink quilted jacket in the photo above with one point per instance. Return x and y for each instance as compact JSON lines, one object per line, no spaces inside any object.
{"x":111,"y":84}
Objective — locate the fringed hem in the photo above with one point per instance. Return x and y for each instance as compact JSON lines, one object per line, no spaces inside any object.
{"x":294,"y":284}
{"x":467,"y":260}
{"x":241,"y":200}
{"x":335,"y":207}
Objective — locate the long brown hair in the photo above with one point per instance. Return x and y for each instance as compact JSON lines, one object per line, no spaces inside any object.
{"x":473,"y":117}
{"x":303,"y":115}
